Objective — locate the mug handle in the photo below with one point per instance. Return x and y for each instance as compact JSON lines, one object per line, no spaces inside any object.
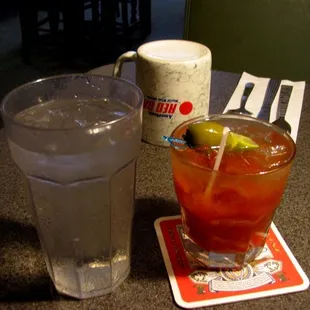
{"x":128,"y":56}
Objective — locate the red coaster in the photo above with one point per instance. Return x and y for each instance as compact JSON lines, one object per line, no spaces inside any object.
{"x":274,"y":272}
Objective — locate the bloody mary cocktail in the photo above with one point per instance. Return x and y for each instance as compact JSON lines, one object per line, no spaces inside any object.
{"x":226,"y":214}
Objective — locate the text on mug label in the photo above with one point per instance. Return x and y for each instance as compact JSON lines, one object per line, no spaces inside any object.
{"x":166,"y":108}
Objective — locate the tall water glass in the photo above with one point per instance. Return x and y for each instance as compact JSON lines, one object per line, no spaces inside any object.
{"x":76,"y":138}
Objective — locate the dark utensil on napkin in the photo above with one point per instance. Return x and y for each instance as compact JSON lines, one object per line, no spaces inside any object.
{"x":246,"y":93}
{"x":285,"y":94}
{"x":270,"y":94}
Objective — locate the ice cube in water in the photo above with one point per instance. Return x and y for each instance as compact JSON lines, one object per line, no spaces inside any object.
{"x":70,"y":114}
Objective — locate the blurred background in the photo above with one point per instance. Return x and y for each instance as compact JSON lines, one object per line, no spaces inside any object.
{"x":46,"y":37}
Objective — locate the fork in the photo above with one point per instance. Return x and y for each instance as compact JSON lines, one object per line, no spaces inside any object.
{"x":246,"y":93}
{"x":285,"y":94}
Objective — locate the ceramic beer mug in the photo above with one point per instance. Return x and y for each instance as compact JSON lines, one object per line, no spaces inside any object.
{"x":174,"y":76}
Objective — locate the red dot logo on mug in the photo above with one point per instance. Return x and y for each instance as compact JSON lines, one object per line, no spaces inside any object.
{"x":186,"y":107}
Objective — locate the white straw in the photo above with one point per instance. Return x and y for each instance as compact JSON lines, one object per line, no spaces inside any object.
{"x":220,"y":153}
{"x":218,"y":159}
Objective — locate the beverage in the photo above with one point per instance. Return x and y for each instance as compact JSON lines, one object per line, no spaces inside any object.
{"x":79,"y":159}
{"x":226,"y":214}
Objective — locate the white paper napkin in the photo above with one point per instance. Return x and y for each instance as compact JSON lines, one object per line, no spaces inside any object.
{"x":255,"y":100}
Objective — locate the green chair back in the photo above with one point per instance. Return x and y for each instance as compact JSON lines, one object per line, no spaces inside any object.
{"x":263,"y":37}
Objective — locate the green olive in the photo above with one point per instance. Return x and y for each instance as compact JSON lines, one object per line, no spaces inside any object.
{"x":204,"y":133}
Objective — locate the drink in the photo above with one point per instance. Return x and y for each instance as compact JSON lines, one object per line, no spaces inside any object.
{"x":226,"y":214}
{"x":79,"y":160}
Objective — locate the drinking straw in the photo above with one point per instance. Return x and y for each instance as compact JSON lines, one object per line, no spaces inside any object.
{"x":218,"y":160}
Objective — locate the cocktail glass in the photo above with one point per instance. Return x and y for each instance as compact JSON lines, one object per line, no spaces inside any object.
{"x":226,"y":214}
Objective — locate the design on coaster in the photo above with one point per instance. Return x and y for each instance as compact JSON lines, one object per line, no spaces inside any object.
{"x":275,"y":271}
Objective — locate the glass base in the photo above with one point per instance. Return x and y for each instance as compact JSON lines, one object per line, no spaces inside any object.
{"x":214,"y":260}
{"x":84,"y":294}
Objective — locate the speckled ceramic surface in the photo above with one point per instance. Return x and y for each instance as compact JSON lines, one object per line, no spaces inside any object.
{"x":174,"y":76}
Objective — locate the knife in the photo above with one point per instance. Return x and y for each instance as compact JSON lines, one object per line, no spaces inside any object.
{"x":272,"y":89}
{"x":285,"y":94}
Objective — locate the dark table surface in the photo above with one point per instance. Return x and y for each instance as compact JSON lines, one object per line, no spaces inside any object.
{"x":24,"y":281}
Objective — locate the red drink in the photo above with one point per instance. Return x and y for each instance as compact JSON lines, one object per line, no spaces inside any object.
{"x":226,"y":214}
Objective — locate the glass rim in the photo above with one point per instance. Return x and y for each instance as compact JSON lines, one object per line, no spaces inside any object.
{"x":250,"y":118}
{"x":7,"y":97}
